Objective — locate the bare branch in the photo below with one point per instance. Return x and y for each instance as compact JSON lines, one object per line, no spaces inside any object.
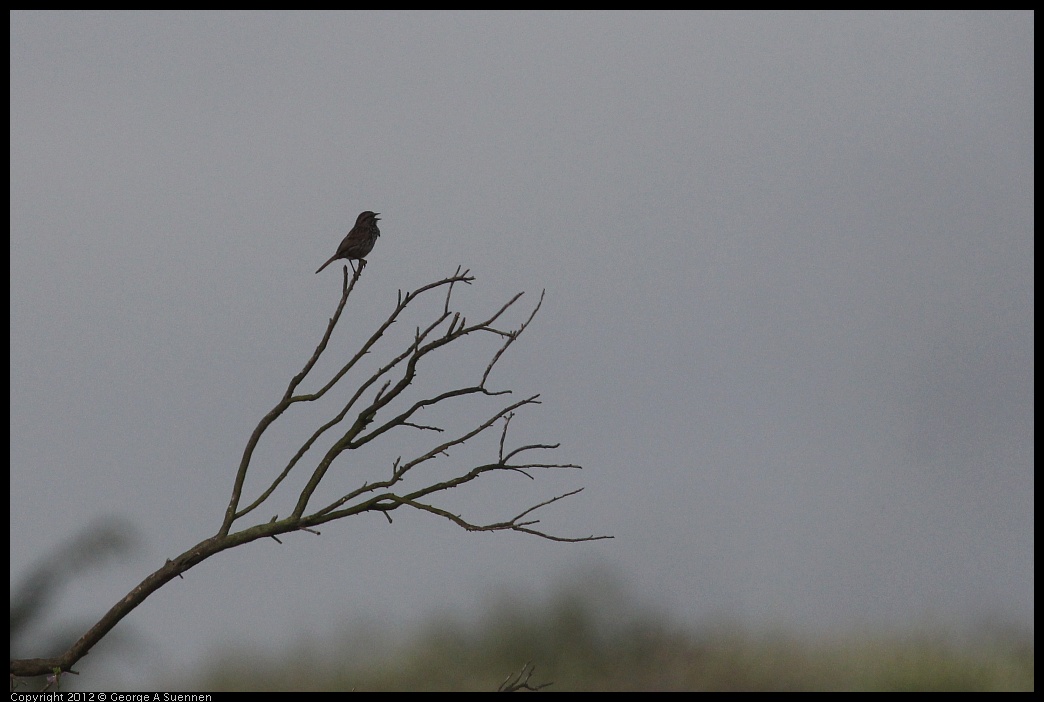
{"x":512,"y":336}
{"x":521,"y":681}
{"x":515,"y":524}
{"x":442,"y":449}
{"x":387,"y":385}
{"x":286,"y":401}
{"x":366,"y":416}
{"x":403,"y":302}
{"x":421,"y":426}
{"x":503,"y":435}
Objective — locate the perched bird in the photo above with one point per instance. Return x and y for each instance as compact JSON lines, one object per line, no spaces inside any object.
{"x":360,"y":240}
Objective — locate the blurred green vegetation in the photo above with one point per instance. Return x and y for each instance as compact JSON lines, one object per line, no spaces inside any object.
{"x":586,"y":639}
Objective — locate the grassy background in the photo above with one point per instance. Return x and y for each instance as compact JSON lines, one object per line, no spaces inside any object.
{"x":577,"y":641}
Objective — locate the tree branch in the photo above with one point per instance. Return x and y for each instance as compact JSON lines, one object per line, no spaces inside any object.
{"x":382,"y":496}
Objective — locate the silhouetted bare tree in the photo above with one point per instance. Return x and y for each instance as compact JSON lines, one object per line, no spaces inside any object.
{"x":370,"y":412}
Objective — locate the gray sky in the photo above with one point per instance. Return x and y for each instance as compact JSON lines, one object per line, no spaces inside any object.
{"x":788,"y":329}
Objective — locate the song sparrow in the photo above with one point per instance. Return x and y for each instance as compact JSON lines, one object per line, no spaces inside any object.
{"x":360,"y":240}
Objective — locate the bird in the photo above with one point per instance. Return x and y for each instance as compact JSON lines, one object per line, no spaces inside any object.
{"x":360,"y":240}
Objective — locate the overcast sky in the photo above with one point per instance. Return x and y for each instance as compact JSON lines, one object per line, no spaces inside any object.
{"x":788,"y":325}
